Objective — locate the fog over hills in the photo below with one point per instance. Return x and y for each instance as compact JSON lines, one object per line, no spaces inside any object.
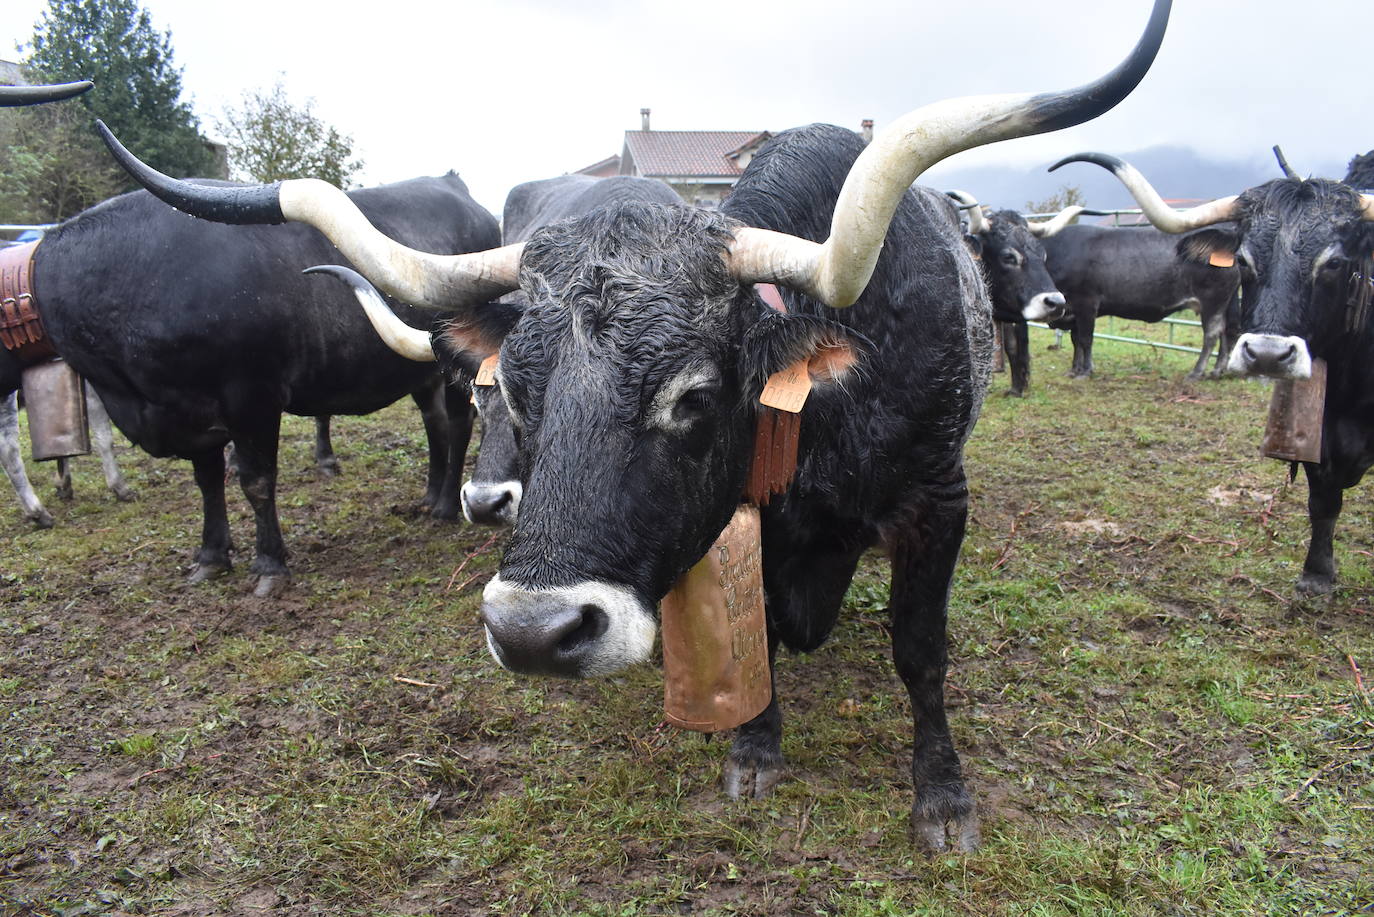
{"x":1175,"y":171}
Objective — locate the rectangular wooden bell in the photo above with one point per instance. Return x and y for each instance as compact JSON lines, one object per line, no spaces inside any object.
{"x":56,"y":401}
{"x":715,"y":636}
{"x":1294,"y":431}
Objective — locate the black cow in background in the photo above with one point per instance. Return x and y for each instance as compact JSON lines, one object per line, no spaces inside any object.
{"x":1305,"y":251}
{"x":1137,"y":273}
{"x":1013,"y":260}
{"x":633,"y":377}
{"x":197,"y":335}
{"x":491,"y":495}
{"x":1360,"y":173}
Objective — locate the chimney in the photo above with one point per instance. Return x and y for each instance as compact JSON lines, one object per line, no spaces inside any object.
{"x":644,"y":119}
{"x":866,"y":130}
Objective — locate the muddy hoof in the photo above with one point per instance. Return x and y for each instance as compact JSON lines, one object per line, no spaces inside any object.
{"x":743,"y":781}
{"x":271,"y":585}
{"x":960,"y":834}
{"x":1014,"y":393}
{"x":329,"y":468}
{"x":124,"y":494}
{"x":1313,"y":585}
{"x":65,"y":492}
{"x":41,"y":519}
{"x":203,"y":572}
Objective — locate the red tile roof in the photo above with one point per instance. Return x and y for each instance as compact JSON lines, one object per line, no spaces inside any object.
{"x":703,"y":154}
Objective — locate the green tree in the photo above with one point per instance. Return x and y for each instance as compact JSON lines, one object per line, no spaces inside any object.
{"x":271,"y":139}
{"x":137,"y":87}
{"x":49,"y":167}
{"x":1066,"y":196}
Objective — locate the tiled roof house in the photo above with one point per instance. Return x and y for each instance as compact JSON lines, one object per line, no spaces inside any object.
{"x":702,"y":166}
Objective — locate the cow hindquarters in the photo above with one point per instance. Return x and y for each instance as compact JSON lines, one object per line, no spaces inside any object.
{"x":1324,"y":498}
{"x":804,"y":585}
{"x":923,"y":560}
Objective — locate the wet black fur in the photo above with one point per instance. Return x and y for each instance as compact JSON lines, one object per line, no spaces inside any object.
{"x":1284,"y":226}
{"x":1012,"y":283}
{"x":1139,"y":273}
{"x":624,"y":298}
{"x":197,"y":334}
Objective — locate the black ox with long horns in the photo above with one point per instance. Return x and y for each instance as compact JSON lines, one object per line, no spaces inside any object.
{"x":1305,"y":249}
{"x":633,"y":376}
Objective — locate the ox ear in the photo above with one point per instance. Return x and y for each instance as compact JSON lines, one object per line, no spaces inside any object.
{"x":1216,"y":247}
{"x":832,"y":351}
{"x":463,"y":343}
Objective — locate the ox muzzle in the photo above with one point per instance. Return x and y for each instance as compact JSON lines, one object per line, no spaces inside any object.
{"x":588,"y":629}
{"x":1278,"y":356}
{"x":1044,"y":306}
{"x":491,"y":502}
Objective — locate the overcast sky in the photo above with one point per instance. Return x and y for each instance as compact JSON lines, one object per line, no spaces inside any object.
{"x":514,"y":90}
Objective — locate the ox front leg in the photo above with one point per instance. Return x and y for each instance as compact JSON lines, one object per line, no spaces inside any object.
{"x":447,"y":414}
{"x":923,"y":562}
{"x":1324,"y":499}
{"x":804,"y":586}
{"x":1016,"y":343}
{"x":212,"y":559}
{"x":1212,"y":326}
{"x":326,"y":462}
{"x":257,"y":458}
{"x":102,"y":436}
{"x":13,"y":463}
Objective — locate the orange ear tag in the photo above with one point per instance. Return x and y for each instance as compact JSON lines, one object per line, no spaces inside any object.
{"x":486,"y":373}
{"x":787,"y":390}
{"x":1222,"y":259}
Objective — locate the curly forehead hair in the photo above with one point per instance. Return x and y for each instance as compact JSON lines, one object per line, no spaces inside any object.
{"x":633,"y":251}
{"x":1294,"y":199}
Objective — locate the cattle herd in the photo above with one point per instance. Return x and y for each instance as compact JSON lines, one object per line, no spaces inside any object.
{"x":615,"y":342}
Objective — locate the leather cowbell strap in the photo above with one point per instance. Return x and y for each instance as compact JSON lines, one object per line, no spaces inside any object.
{"x":21,"y":329}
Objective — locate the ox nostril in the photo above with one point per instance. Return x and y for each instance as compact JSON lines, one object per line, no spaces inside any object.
{"x":588,"y":625}
{"x":1055,"y":299}
{"x":1289,"y":353}
{"x":1247,"y":350}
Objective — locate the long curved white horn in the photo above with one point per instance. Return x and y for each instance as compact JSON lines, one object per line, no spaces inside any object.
{"x":441,"y":282}
{"x":1160,"y":214}
{"x":1046,"y":228}
{"x":837,"y":271}
{"x":411,"y":343}
{"x":977,"y":220}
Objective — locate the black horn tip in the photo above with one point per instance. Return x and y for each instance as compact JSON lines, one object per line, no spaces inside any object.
{"x":1104,"y":160}
{"x":37,"y":95}
{"x":1283,"y":163}
{"x":242,"y":204}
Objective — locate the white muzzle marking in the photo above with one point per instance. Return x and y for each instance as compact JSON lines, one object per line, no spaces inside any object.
{"x":1043,"y":306}
{"x":627,"y":639}
{"x":1273,"y":355}
{"x":484,"y":494}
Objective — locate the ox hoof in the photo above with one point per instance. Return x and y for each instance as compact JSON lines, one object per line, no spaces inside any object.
{"x":1313,"y":585}
{"x":944,"y":818}
{"x":65,"y":493}
{"x":203,"y":572}
{"x":271,"y":585}
{"x":328,"y":468}
{"x":124,"y":494}
{"x":958,"y":834}
{"x":744,"y":781}
{"x":1014,"y":393}
{"x":448,"y":511}
{"x":41,"y":519}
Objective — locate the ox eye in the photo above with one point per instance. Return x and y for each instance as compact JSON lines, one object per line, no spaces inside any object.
{"x":1010,"y":259}
{"x":1334,"y":265}
{"x":696,"y":403}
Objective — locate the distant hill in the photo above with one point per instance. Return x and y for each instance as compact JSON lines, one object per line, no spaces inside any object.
{"x":1175,"y":171}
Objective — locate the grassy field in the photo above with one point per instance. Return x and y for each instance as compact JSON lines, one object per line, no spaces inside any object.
{"x":1149,"y":723}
